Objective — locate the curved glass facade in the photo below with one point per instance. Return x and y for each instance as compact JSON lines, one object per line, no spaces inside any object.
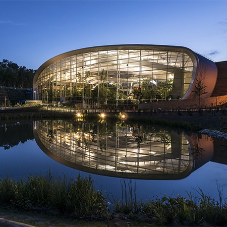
{"x":117,"y":75}
{"x":132,"y":151}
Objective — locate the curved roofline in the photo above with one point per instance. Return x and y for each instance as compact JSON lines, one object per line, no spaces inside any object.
{"x":61,"y":160}
{"x":112,"y":47}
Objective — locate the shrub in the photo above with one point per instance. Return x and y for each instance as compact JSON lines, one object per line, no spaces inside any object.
{"x":76,"y":197}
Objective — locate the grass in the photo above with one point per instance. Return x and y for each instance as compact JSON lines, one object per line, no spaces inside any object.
{"x":169,"y":211}
{"x":76,"y":198}
{"x":76,"y":202}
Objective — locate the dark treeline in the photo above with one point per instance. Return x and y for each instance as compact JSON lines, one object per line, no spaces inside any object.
{"x":15,"y":133}
{"x":12,"y":75}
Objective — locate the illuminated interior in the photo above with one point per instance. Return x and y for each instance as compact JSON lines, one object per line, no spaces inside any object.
{"x":116,"y":75}
{"x":115,"y":149}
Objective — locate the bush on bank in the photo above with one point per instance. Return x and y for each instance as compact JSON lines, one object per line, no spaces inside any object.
{"x":75,"y":197}
{"x":179,"y":211}
{"x":79,"y":199}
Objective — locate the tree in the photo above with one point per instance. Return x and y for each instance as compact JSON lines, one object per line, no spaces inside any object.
{"x":200,"y":88}
{"x":17,"y":76}
{"x":103,"y":76}
{"x":106,"y":92}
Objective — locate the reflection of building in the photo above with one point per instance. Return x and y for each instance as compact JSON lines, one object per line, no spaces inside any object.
{"x":123,"y":74}
{"x":114,"y":150}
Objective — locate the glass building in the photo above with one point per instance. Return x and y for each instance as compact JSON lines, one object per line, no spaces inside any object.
{"x":122,"y":75}
{"x":128,"y":151}
{"x":114,"y":150}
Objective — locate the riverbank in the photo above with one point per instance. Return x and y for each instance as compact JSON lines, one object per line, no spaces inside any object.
{"x":196,"y":210}
{"x":207,"y":119}
{"x":174,"y":118}
{"x":213,"y":120}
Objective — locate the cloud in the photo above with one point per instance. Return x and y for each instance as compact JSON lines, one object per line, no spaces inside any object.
{"x":9,"y":22}
{"x":213,"y":53}
{"x":224,"y":23}
{"x":223,"y":26}
{"x":6,"y":22}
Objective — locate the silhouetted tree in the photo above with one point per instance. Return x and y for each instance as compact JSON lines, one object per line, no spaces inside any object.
{"x":12,"y":75}
{"x":200,"y":88}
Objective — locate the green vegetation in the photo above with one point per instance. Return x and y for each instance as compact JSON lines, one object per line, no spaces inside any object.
{"x":200,"y":88}
{"x":12,"y":75}
{"x":77,"y":198}
{"x":196,"y":210}
{"x":171,"y":211}
{"x":148,"y":91}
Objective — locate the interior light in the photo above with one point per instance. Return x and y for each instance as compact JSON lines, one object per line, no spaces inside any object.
{"x":123,"y":116}
{"x":171,"y":76}
{"x":78,"y":114}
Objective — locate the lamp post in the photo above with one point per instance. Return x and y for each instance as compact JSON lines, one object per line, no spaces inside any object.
{"x":34,"y":98}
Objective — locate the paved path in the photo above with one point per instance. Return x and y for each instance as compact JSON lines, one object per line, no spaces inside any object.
{"x":7,"y":223}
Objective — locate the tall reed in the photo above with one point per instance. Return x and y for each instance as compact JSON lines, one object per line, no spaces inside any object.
{"x":76,"y":197}
{"x":194,"y":210}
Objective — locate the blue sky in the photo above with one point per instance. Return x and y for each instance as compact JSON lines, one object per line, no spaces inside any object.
{"x":33,"y":31}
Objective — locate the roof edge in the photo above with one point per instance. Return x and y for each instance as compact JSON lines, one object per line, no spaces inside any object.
{"x":108,"y":47}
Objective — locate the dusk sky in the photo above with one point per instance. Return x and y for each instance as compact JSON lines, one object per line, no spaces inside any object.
{"x":32,"y":31}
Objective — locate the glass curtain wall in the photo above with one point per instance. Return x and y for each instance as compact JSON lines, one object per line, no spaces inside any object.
{"x":115,"y":148}
{"x":116,"y":77}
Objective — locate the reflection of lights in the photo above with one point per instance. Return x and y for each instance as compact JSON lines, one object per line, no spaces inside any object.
{"x":106,"y":167}
{"x":168,"y":147}
{"x":171,"y":76}
{"x":80,"y":145}
{"x":123,"y":116}
{"x":78,"y":114}
{"x":126,"y":163}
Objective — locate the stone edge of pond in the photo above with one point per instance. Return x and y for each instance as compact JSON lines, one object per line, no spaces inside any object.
{"x":214,"y":133}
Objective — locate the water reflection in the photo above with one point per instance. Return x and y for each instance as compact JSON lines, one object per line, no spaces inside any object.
{"x":11,"y":134}
{"x":121,"y":150}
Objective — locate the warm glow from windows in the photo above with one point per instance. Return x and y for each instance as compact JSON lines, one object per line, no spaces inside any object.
{"x":78,"y":114}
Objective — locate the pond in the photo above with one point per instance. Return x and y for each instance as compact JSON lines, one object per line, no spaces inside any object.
{"x":153,"y":160}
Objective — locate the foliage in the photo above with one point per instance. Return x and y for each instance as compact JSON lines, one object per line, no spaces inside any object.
{"x":194,"y":210}
{"x":76,"y":197}
{"x":12,"y":75}
{"x":78,"y":94}
{"x":107,"y":92}
{"x":128,"y":202}
{"x":200,"y":88}
{"x":148,"y":91}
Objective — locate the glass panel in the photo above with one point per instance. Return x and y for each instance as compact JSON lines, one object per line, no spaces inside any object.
{"x":154,"y":74}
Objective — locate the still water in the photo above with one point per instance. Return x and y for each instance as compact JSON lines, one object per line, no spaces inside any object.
{"x":157,"y":160}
